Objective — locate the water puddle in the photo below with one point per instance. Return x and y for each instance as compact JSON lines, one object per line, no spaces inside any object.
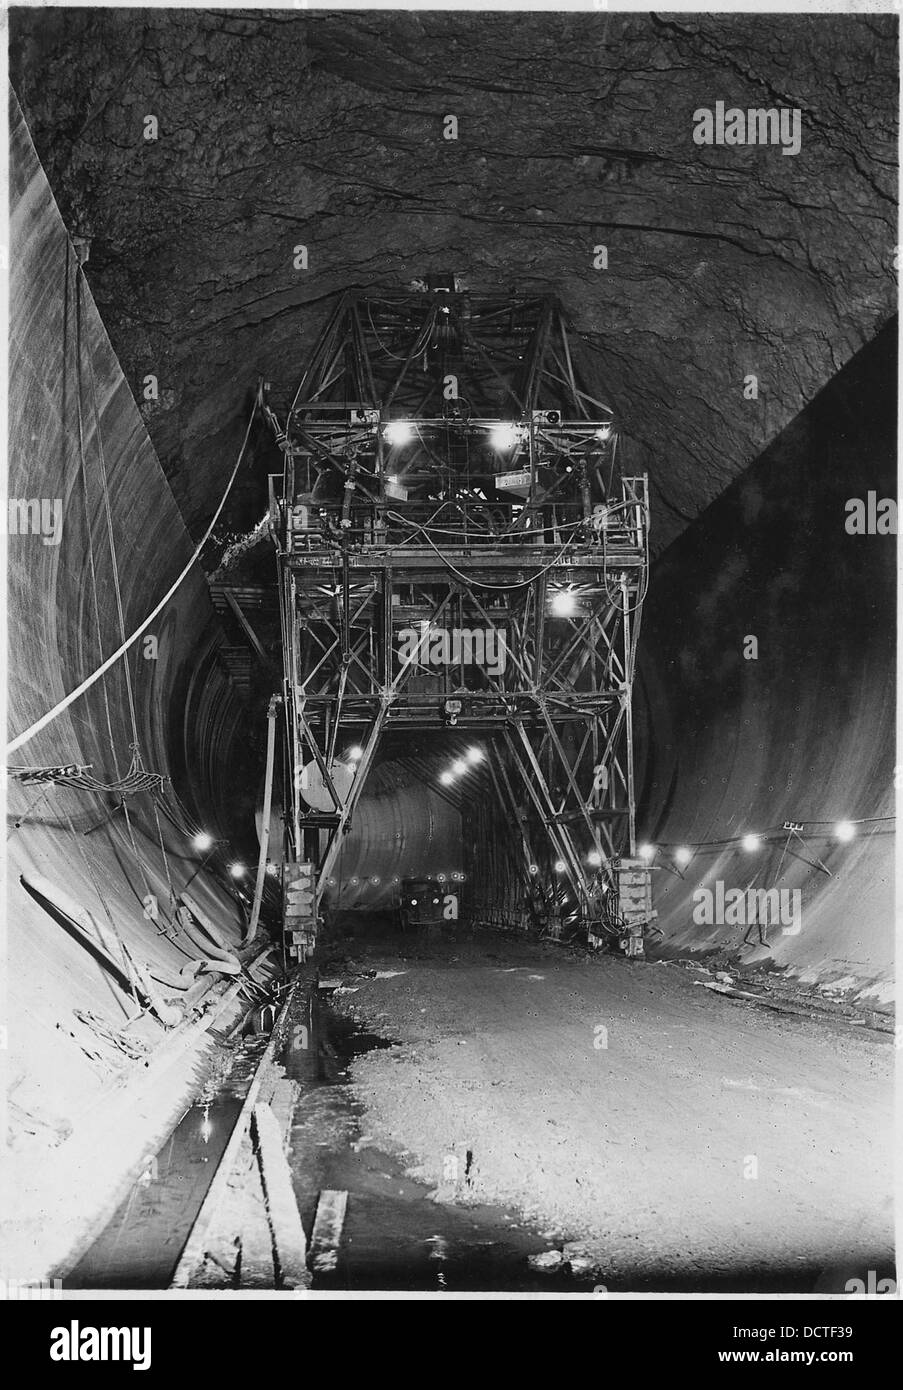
{"x":395,"y":1236}
{"x":141,"y":1244}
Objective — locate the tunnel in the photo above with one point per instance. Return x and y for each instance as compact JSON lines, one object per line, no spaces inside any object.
{"x":555,"y":961}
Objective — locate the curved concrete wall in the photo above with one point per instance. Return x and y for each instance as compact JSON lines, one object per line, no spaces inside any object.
{"x":803,"y":733}
{"x":188,"y":720}
{"x":398,"y":832}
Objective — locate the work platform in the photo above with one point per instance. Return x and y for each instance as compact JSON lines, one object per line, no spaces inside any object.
{"x":460,"y":548}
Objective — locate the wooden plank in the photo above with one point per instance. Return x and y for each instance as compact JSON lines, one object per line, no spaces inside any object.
{"x":327,"y":1233}
{"x":289,"y":1240}
{"x":193,"y":1253}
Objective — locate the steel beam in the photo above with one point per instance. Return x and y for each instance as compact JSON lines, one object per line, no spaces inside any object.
{"x":446,"y":467}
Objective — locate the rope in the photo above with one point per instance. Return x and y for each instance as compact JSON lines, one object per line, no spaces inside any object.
{"x":182,"y":819}
{"x":47,"y":774}
{"x":111,"y":660}
{"x":109,"y":515}
{"x":136,"y":769}
{"x":172,"y":892}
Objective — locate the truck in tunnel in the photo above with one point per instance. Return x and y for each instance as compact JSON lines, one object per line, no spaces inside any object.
{"x":451,"y":706}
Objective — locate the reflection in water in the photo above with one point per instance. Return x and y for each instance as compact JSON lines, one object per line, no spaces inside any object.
{"x":141,"y":1245}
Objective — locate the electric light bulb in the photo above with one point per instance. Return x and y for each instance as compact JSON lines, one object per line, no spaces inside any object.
{"x":564,"y":603}
{"x":504,"y":436}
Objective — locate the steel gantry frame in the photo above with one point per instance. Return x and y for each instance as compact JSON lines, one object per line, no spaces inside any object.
{"x":458,"y":546}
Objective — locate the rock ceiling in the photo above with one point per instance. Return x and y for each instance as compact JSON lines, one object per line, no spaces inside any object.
{"x":574,"y":131}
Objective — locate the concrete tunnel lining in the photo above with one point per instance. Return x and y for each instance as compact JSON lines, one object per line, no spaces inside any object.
{"x":803,"y":733}
{"x":806,"y":732}
{"x":189,"y":722}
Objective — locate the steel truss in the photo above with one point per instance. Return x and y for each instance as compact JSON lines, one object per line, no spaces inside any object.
{"x":458,"y":546}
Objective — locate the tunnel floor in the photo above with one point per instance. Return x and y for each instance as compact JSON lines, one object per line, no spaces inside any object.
{"x":396,"y":1235}
{"x":632,"y":1128}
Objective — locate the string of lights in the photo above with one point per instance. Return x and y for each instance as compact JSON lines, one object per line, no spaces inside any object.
{"x":461,"y":766}
{"x":843,"y":831}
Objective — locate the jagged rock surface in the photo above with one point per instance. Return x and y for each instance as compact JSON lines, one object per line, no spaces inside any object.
{"x":326,"y":129}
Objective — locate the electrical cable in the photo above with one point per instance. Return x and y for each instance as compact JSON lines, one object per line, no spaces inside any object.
{"x":137,"y":778}
{"x":136,"y":766}
{"x":424,"y":335}
{"x":481,"y":583}
{"x":770,"y":831}
{"x":111,"y":660}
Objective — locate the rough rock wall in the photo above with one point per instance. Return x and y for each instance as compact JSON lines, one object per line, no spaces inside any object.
{"x":286,"y":128}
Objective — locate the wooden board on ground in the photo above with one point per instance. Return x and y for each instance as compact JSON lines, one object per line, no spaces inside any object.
{"x":327,"y":1232}
{"x":289,"y":1241}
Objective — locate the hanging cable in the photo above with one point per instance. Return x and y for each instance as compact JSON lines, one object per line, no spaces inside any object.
{"x":481,"y":583}
{"x":111,"y":536}
{"x":111,"y":660}
{"x":769,"y":834}
{"x":136,"y":767}
{"x":137,"y":778}
{"x":173,"y":900}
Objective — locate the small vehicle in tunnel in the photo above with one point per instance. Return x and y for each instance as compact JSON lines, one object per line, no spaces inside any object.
{"x":425,"y":902}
